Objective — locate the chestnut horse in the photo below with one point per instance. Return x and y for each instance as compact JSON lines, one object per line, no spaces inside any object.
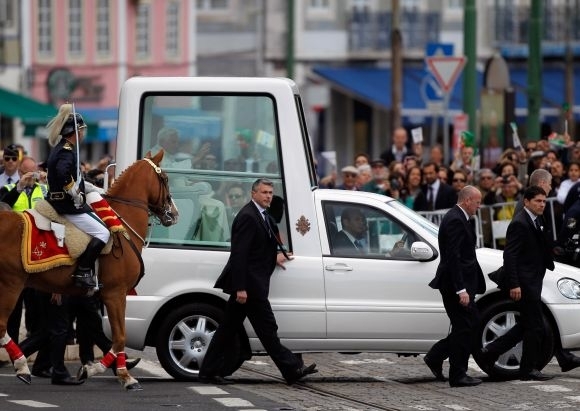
{"x":140,"y":191}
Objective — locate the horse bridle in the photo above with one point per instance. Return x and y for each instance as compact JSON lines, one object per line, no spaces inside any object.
{"x":166,"y":208}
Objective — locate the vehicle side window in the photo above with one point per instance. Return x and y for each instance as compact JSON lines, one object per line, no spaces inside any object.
{"x":215,"y":147}
{"x":356,"y":230}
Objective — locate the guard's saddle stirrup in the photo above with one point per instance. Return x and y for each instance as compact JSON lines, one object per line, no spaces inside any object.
{"x":84,"y":276}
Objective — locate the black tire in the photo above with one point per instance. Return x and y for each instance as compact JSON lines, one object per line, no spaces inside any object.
{"x":183,"y":338}
{"x":496,"y":320}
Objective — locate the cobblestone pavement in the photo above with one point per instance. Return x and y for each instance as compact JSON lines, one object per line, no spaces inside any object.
{"x":388,"y":382}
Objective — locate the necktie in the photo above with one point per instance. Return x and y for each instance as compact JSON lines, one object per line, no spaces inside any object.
{"x":9,"y":181}
{"x":430,"y":202}
{"x":267,"y":221}
{"x":359,"y":246}
{"x":538,"y":224}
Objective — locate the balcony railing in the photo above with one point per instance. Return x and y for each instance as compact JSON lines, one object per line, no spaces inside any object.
{"x":371,"y":31}
{"x":512,"y":23}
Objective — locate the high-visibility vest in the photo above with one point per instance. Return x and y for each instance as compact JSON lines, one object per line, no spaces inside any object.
{"x":24,"y":202}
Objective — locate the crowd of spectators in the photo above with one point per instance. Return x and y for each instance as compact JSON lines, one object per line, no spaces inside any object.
{"x":423,"y":181}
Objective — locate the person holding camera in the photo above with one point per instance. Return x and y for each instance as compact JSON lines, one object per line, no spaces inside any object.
{"x":22,"y":195}
{"x":28,"y":190}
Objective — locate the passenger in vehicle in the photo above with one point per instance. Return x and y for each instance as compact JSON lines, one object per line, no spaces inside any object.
{"x":168,"y":140}
{"x":212,"y":224}
{"x":350,"y":240}
{"x":235,"y":199}
{"x":246,"y":160}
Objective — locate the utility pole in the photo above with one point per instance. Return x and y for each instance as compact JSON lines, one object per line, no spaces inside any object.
{"x":469,"y":73}
{"x":569,"y":74}
{"x":396,"y":66}
{"x":290,"y":40}
{"x":535,"y":72}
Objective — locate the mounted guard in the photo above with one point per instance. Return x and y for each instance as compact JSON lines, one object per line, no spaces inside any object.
{"x":67,"y":190}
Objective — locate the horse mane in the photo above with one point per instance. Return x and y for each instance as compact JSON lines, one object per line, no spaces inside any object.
{"x":123,"y":176}
{"x":119,"y":181}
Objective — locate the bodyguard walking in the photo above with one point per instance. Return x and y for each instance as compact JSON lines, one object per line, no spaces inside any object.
{"x":459,"y":278}
{"x":526,"y":257}
{"x":246,"y":277}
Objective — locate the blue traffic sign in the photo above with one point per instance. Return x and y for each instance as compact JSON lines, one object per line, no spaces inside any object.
{"x":438,"y":49}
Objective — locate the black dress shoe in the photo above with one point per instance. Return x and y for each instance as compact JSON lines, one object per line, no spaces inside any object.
{"x":570,"y":363}
{"x":301,"y":373}
{"x":436,"y":369}
{"x":213,"y":379}
{"x":466,"y":381}
{"x":66,"y":381}
{"x":42,"y":373}
{"x":535,"y":375}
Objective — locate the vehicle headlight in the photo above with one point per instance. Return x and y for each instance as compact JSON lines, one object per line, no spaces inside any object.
{"x":569,"y":288}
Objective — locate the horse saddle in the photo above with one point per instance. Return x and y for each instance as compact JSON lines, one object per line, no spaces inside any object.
{"x":67,"y":234}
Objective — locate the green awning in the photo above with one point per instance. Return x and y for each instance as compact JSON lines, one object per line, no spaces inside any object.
{"x":29,"y":111}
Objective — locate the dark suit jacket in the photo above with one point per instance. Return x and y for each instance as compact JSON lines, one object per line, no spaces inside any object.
{"x":526,"y":256}
{"x":458,"y":268}
{"x":446,"y":198}
{"x":253,"y":255}
{"x":341,"y":244}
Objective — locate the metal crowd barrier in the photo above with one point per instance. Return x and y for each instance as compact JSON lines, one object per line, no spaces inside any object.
{"x":491,"y":231}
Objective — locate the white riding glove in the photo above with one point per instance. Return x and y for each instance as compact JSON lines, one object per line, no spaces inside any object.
{"x":77,"y":196}
{"x":89,"y":188}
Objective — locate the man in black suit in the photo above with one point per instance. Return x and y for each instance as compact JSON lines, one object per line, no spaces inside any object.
{"x":526,"y":257}
{"x":246,"y":277}
{"x":435,"y":194}
{"x":348,"y":241}
{"x":543,"y":179}
{"x":459,"y":278}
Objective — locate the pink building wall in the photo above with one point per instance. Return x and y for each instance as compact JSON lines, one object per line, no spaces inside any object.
{"x":102,"y":75}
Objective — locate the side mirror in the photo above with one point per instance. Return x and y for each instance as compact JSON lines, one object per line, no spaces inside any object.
{"x":421,"y":251}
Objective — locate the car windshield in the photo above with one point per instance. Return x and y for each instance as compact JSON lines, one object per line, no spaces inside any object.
{"x":419,"y":219}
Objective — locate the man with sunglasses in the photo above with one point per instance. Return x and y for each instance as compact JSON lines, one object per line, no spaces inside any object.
{"x":11,"y":158}
{"x":236,"y":199}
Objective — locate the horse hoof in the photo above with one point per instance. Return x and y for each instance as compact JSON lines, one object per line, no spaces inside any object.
{"x":25,"y":378}
{"x":82,"y":373}
{"x":134,"y":387}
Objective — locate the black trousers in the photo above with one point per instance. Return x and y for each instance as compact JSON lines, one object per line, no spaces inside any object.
{"x":49,"y":338}
{"x":260,"y":314}
{"x":458,"y":344}
{"x":89,"y":326}
{"x":529,"y":328}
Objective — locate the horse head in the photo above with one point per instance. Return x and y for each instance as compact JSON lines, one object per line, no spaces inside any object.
{"x":161,"y":203}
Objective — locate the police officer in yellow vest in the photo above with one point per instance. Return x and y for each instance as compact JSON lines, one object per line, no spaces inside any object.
{"x":24,"y":194}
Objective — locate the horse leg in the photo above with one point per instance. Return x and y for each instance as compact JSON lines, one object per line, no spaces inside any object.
{"x":17,"y":358}
{"x":115,"y":303}
{"x":10,"y":295}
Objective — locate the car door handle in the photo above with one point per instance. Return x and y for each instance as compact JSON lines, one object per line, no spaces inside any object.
{"x":338,"y":267}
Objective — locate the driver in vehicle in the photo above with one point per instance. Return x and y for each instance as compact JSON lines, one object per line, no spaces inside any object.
{"x":351,"y":239}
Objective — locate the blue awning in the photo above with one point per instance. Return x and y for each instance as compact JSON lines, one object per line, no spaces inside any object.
{"x":106,"y":119}
{"x":372,"y":85}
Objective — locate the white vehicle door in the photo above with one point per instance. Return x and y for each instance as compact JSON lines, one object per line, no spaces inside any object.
{"x":379,"y":292}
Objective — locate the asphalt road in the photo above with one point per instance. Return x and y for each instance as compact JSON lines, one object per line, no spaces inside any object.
{"x":344,"y":382}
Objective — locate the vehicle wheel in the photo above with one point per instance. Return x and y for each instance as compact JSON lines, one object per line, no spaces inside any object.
{"x":496,"y":320}
{"x":183,"y":339}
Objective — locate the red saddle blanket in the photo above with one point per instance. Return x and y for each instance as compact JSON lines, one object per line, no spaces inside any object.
{"x":40,"y":249}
